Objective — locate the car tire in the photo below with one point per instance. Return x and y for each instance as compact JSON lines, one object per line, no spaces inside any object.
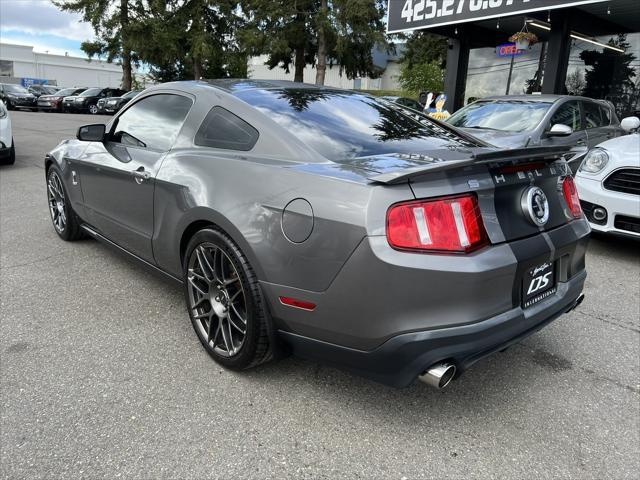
{"x":65,"y":221}
{"x":11,"y":159}
{"x":93,"y":109}
{"x":224,"y":301}
{"x":9,"y":105}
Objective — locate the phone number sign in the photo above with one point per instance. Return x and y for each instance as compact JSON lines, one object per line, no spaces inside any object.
{"x":415,"y":14}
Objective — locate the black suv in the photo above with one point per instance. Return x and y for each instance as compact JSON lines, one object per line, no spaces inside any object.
{"x":87,"y":101}
{"x":114,"y":104}
{"x":16,"y":96}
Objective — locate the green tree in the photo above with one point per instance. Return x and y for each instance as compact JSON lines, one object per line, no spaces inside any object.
{"x":190,"y":39}
{"x":358,"y":29}
{"x":422,"y":77}
{"x":422,"y":47}
{"x":296,"y":32}
{"x":282,"y":29}
{"x":111,"y":22}
{"x":423,"y":63}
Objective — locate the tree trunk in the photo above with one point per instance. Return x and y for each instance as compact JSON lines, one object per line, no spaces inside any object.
{"x":197,"y":68}
{"x":126,"y":51}
{"x":321,"y":67}
{"x":299,"y":65}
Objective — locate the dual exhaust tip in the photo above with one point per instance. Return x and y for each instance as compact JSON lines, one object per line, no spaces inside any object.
{"x":439,"y":375}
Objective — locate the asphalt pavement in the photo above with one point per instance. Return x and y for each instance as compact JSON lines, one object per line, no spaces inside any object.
{"x":101,"y":376}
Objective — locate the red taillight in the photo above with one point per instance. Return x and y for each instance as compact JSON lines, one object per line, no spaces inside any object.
{"x":452,"y":224}
{"x":571,"y":196}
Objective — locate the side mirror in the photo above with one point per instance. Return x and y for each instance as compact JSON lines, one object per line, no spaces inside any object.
{"x":560,"y":130}
{"x":92,"y":133}
{"x":630,"y":124}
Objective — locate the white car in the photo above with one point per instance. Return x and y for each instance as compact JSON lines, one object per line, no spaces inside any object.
{"x":608,"y":182}
{"x":7,"y":149}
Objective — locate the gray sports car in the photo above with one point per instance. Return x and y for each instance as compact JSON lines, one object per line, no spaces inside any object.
{"x":328,"y":223}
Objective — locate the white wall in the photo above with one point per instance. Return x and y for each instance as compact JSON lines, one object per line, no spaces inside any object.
{"x":259,"y":71}
{"x":64,"y":70}
{"x":390,"y":79}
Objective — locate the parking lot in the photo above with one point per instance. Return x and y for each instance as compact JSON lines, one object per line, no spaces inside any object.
{"x":103,"y":376}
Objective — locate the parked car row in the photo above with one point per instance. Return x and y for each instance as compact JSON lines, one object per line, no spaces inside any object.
{"x":74,"y":100}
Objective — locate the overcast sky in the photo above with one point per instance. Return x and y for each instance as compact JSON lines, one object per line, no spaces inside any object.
{"x":40,"y":24}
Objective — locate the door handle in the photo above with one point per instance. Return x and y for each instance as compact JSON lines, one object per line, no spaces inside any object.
{"x":140,"y":175}
{"x":581,"y":142}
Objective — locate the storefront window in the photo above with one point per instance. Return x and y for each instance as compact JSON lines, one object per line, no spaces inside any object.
{"x":603,"y":73}
{"x":593,"y":71}
{"x":489,"y":73}
{"x":6,"y":68}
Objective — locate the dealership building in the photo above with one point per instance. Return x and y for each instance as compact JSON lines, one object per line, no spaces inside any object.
{"x":584,"y":47}
{"x":21,"y":64}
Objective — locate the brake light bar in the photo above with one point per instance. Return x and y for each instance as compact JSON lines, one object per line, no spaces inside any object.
{"x":450,"y":224}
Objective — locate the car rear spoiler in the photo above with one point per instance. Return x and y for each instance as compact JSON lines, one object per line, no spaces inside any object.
{"x":515,"y":156}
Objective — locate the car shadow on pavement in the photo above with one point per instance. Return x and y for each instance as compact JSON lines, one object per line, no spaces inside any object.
{"x":494,"y":384}
{"x":622,"y":248}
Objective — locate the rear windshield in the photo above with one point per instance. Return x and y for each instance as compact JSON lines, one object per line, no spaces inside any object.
{"x":506,"y":116}
{"x":92,"y":92}
{"x":342,"y":125}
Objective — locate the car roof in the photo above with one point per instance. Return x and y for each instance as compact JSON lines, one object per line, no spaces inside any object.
{"x":546,"y":98}
{"x":237,"y":85}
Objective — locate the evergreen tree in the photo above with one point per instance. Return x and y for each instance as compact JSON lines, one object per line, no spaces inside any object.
{"x":282,"y":29}
{"x":190,"y":39}
{"x":423,"y":61}
{"x":423,"y":47}
{"x":111,"y":22}
{"x":296,"y":32}
{"x":358,"y":29}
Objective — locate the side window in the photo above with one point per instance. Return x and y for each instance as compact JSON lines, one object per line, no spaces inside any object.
{"x":153,"y":122}
{"x":568,"y":114}
{"x":606,"y":115}
{"x":223,"y":129}
{"x":592,"y":115}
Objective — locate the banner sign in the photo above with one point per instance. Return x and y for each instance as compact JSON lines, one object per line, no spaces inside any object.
{"x":27,"y":82}
{"x":508,"y":50}
{"x":404,"y":15}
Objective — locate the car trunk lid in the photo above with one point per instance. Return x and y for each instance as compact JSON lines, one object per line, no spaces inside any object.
{"x":501,"y":180}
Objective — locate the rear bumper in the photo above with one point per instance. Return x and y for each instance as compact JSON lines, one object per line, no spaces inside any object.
{"x":399,"y":360}
{"x":49,"y":106}
{"x":389,"y":315}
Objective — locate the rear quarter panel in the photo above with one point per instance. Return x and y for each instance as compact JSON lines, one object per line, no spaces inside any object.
{"x":246,"y":196}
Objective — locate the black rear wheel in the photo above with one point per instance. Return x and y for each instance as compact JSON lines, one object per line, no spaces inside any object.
{"x":225,"y":302}
{"x":65,"y":222}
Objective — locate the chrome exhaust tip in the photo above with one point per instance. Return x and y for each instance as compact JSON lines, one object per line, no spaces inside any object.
{"x":577,"y":303}
{"x":439,"y":375}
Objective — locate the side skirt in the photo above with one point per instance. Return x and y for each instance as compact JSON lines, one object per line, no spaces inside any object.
{"x":88,"y":229}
